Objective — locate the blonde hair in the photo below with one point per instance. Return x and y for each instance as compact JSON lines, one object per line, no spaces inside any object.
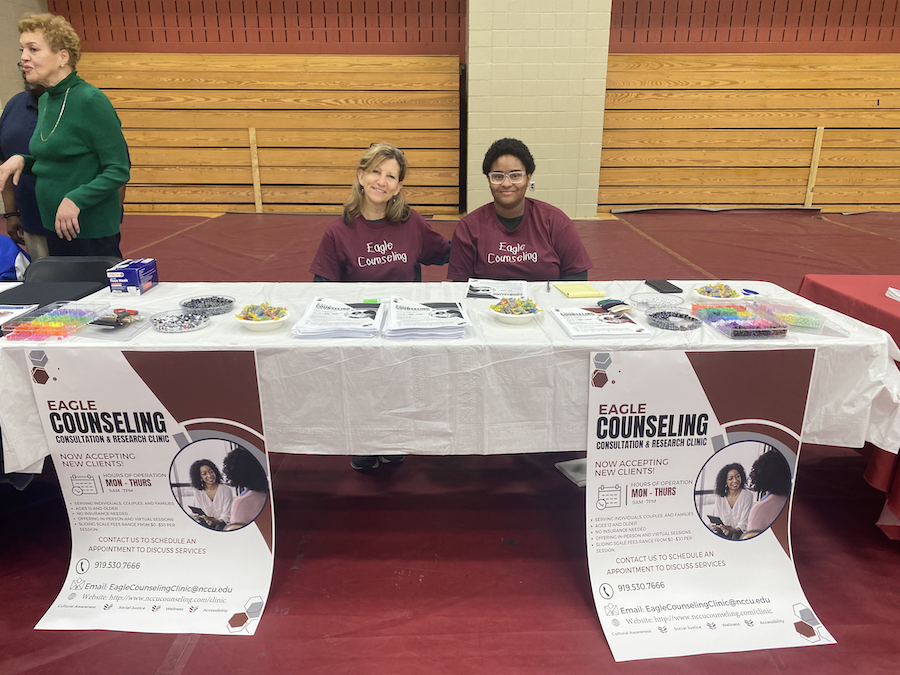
{"x":397,"y":208}
{"x":58,"y":33}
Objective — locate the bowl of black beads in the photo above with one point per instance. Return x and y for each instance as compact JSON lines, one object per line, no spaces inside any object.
{"x":209,"y":304}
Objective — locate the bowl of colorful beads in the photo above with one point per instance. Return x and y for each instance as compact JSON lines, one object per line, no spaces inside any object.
{"x":515,"y":310}
{"x":262,"y":317}
{"x":719,"y":293}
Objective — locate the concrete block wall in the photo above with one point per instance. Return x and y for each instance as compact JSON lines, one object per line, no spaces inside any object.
{"x":537,"y":72}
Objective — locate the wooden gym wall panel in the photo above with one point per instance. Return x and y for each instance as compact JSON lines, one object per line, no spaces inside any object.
{"x":754,"y":26}
{"x":752,"y":130}
{"x":269,"y":26}
{"x":198,"y":146}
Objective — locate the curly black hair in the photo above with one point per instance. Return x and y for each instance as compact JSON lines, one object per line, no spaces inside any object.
{"x":722,"y":478}
{"x":244,"y":471}
{"x":195,"y":472}
{"x":770,"y":473}
{"x":508,"y":146}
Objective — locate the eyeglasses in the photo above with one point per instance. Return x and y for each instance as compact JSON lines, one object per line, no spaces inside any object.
{"x":497,"y":177}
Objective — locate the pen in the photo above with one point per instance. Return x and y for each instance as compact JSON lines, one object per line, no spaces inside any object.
{"x":548,"y":285}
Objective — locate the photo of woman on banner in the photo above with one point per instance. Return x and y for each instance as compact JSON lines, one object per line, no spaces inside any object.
{"x":212,"y":500}
{"x":770,"y":476}
{"x":728,"y":505}
{"x":246,"y":474}
{"x":198,"y":485}
{"x":733,"y":502}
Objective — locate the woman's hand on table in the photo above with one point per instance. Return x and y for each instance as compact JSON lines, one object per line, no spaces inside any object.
{"x":67,"y":219}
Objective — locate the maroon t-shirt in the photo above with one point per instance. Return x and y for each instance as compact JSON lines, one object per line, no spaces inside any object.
{"x":545,"y":245}
{"x":378,"y":251}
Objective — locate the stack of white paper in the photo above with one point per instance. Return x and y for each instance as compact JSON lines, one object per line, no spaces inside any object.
{"x":327,"y":318}
{"x":491,"y":288}
{"x":893,"y":293}
{"x":589,"y":322}
{"x":408,"y":319}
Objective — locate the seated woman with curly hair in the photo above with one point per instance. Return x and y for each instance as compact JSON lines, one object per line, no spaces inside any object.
{"x":733,"y":501}
{"x":210,"y":496}
{"x":244,"y":472}
{"x":514,"y":237}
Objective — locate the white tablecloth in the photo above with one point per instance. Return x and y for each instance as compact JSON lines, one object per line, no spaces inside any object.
{"x":502,"y":389}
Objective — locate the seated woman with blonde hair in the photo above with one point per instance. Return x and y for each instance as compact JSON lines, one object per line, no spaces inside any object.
{"x":379,"y":237}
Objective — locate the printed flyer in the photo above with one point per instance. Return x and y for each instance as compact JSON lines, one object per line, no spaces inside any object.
{"x":691,"y":461}
{"x":162,"y":462}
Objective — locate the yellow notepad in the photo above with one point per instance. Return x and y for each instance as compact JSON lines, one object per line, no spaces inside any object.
{"x":578,"y":289}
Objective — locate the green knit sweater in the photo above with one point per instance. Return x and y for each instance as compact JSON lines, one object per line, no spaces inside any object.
{"x":84,"y":158}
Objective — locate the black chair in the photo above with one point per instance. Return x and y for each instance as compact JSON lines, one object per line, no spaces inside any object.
{"x":70,"y":268}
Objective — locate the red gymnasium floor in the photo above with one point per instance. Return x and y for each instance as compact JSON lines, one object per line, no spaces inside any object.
{"x":453,"y":565}
{"x":771,"y":245}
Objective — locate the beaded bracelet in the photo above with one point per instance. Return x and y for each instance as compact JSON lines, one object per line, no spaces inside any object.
{"x":670,"y":320}
{"x":12,"y":214}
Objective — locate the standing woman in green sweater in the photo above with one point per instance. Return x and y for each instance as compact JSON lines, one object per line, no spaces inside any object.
{"x":77,"y":153}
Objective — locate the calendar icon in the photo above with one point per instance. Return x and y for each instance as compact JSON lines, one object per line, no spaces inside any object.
{"x":609,"y":497}
{"x":83,"y":485}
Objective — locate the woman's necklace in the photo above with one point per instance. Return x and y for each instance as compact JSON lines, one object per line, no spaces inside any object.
{"x":61,"y":111}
